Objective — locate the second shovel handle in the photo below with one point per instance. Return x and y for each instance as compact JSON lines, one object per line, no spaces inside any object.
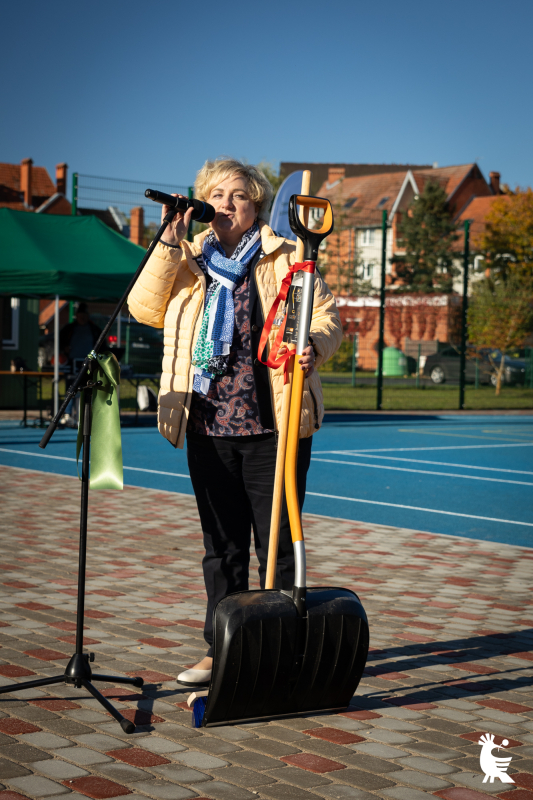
{"x":291,"y":460}
{"x":277,"y":499}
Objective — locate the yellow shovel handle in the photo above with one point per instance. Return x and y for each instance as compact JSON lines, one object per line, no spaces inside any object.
{"x":291,"y":460}
{"x":282,"y":456}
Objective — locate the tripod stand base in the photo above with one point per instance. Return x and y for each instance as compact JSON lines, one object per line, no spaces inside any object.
{"x":79,"y":673}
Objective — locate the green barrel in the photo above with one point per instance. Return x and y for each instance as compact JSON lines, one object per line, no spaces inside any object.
{"x":394,"y":362}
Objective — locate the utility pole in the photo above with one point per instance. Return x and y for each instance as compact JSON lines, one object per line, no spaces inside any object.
{"x":382,"y":308}
{"x":462,"y":364}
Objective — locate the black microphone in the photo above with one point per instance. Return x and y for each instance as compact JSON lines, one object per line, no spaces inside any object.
{"x":203,"y":212}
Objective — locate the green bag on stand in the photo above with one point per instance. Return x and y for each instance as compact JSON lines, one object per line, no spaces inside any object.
{"x":106,"y":440}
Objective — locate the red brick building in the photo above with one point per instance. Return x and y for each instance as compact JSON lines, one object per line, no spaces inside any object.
{"x":25,"y":187}
{"x":356,"y":248}
{"x":359,"y":203}
{"x":410,"y":320}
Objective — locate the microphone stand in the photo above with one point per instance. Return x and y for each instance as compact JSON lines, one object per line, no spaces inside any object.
{"x":78,"y":670}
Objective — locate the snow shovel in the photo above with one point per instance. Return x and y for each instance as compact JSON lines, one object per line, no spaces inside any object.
{"x":278,"y":653}
{"x":277,"y":498}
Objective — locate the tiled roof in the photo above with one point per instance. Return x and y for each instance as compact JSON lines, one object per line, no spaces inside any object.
{"x":476,"y":211}
{"x":371,"y":190}
{"x":41,"y":183}
{"x":447,"y":177}
{"x":319,"y":171}
{"x":57,"y":204}
{"x":374,"y":193}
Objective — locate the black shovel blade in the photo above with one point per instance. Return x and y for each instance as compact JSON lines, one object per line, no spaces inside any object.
{"x":270,"y":662}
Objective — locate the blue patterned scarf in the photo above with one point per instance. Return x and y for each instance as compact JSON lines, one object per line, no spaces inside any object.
{"x":210,"y":356}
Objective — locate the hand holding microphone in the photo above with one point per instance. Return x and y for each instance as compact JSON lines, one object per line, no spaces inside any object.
{"x":177,"y":229}
{"x":188,"y":210}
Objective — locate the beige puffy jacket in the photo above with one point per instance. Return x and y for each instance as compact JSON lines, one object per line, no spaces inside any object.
{"x":170,"y":294}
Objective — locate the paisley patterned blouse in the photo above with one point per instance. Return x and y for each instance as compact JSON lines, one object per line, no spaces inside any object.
{"x":230,"y":408}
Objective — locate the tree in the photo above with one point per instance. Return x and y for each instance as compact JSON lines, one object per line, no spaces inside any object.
{"x":499,"y":316}
{"x":427,"y":233}
{"x":507,"y":241}
{"x":271,"y":175}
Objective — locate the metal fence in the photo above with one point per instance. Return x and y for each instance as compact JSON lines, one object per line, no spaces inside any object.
{"x":400,"y":351}
{"x":113,"y":198}
{"x":425,"y":375}
{"x":405,"y":351}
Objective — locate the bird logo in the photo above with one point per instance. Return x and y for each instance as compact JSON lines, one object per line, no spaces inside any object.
{"x":493,"y":767}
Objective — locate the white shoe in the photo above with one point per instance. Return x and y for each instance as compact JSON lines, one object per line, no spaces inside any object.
{"x":194,"y":677}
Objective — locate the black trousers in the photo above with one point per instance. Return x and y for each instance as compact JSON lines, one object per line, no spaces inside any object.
{"x":233,"y":480}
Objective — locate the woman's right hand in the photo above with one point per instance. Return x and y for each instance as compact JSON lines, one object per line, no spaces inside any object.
{"x":177,"y":230}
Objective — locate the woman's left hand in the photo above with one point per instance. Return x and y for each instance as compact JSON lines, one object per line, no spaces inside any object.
{"x":307,"y":361}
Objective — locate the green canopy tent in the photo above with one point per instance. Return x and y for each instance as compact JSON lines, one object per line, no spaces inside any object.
{"x":75,"y":258}
{"x":52,"y":256}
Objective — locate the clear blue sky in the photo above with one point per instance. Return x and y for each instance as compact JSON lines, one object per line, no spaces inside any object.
{"x":150,"y":90}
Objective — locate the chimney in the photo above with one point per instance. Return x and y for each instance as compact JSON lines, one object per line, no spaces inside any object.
{"x":494,"y":178}
{"x":137,"y":225}
{"x":25,"y":180}
{"x":61,"y":178}
{"x":336,"y":174}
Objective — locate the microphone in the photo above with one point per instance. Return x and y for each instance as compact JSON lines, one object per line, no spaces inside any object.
{"x":203,"y":212}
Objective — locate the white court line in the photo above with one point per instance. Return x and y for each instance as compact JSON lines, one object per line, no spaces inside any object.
{"x":456,"y":435}
{"x":440,"y":447}
{"x":420,"y":461}
{"x":327,"y":460}
{"x":158,"y":472}
{"x":64,"y":458}
{"x":422,"y":471}
{"x":314,"y":494}
{"x":35,"y":455}
{"x":417,"y":508}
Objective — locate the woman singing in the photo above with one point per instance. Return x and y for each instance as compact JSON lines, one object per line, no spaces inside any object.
{"x":212,"y":296}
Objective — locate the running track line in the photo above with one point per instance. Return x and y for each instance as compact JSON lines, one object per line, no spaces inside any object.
{"x":422,"y":471}
{"x":420,"y":461}
{"x":313,"y":494}
{"x":417,"y":508}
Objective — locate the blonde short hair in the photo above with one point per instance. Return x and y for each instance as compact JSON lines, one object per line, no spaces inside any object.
{"x":213,"y":172}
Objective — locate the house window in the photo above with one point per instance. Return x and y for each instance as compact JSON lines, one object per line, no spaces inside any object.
{"x":369,"y":271}
{"x":10,"y":323}
{"x":367,"y":236}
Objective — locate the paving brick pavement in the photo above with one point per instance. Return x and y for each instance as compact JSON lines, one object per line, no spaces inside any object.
{"x":451,"y":626}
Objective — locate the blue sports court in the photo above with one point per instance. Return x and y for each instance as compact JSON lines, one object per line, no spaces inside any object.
{"x":469,"y":476}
